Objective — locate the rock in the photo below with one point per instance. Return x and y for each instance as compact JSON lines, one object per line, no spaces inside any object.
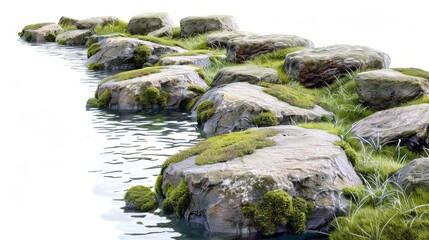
{"x":388,"y":88}
{"x":98,"y":38}
{"x":150,"y":24}
{"x":409,"y":125}
{"x":67,"y":21}
{"x":91,"y":23}
{"x":40,"y":33}
{"x":118,"y":53}
{"x":236,"y":105}
{"x":201,"y":60}
{"x":191,"y":26}
{"x":303,"y":162}
{"x":241,"y":49}
{"x":221,"y":39}
{"x":413,"y":175}
{"x":173,"y":80}
{"x":73,"y":37}
{"x":248,"y":73}
{"x":321,"y":66}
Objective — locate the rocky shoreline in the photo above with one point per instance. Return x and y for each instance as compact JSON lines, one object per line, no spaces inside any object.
{"x":302,"y":137}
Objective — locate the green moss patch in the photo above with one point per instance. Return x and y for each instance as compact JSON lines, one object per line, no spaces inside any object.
{"x":96,"y":66}
{"x":158,"y":40}
{"x":68,"y":27}
{"x":93,"y":49}
{"x":329,"y":127}
{"x":33,"y":27}
{"x":289,"y":95}
{"x":118,"y":26}
{"x":416,"y":72}
{"x":141,"y":198}
{"x":351,"y":154}
{"x":177,"y":199}
{"x":266,"y":119}
{"x":62,"y":42}
{"x":136,"y":73}
{"x":205,"y":111}
{"x":50,"y":37}
{"x":197,"y":89}
{"x":142,"y":54}
{"x":204,"y":76}
{"x":152,"y":98}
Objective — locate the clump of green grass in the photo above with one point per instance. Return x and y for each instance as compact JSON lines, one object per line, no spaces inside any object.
{"x":118,"y":26}
{"x":176,"y":32}
{"x":214,"y":52}
{"x":141,"y":198}
{"x":266,"y":119}
{"x":68,"y":27}
{"x":350,"y":152}
{"x":329,"y":127}
{"x":133,"y":74}
{"x":159,"y":40}
{"x":289,"y":95}
{"x":93,"y":49}
{"x":177,"y":199}
{"x":413,"y":72}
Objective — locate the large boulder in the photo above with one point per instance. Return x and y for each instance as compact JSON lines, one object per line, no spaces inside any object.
{"x":240,"y":49}
{"x":387,"y":88}
{"x":413,"y":175}
{"x":221,"y":39}
{"x":73,"y":37}
{"x":125,"y":87}
{"x":237,"y":104}
{"x":150,"y":24}
{"x":67,"y":21}
{"x":247,"y":73}
{"x":90,"y":23}
{"x":40,"y":32}
{"x":303,"y":162}
{"x":119,"y":53}
{"x":409,"y":125}
{"x":201,"y":60}
{"x":322,"y":66}
{"x":191,"y":26}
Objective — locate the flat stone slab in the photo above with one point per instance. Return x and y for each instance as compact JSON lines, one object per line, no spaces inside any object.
{"x":406,"y":124}
{"x":148,"y":23}
{"x":194,"y":25}
{"x":240,"y":49}
{"x":322,"y":66}
{"x":248,"y":73}
{"x":303,"y":162}
{"x":201,"y":60}
{"x":91,"y":23}
{"x":388,"y":88}
{"x":236,"y":105}
{"x":414,"y":174}
{"x":74,"y":37}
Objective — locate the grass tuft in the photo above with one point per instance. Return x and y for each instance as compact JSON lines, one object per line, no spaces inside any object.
{"x":118,"y":26}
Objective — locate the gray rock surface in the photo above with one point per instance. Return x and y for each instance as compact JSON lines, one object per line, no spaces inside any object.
{"x":151,"y":24}
{"x":194,"y":25}
{"x":74,"y":37}
{"x":406,"y":124}
{"x":118,"y":53}
{"x":67,"y":21}
{"x":172,"y":79}
{"x":221,"y":39}
{"x":248,"y":73}
{"x":201,"y":60}
{"x":414,"y":174}
{"x":240,"y":49}
{"x":98,"y":38}
{"x":238,"y":103}
{"x":90,"y":23}
{"x":321,"y":66}
{"x":304,"y":162}
{"x":388,"y":88}
{"x":40,"y":34}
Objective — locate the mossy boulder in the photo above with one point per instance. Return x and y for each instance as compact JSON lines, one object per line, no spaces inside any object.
{"x":141,"y":198}
{"x":64,"y":20}
{"x":247,"y":73}
{"x":151,"y":87}
{"x":386,"y":88}
{"x":241,"y":49}
{"x":413,"y":175}
{"x":201,"y":60}
{"x":322,"y":66}
{"x":120,"y":53}
{"x":91,"y":23}
{"x":407,"y":125}
{"x":151,"y":24}
{"x":73,"y":37}
{"x":194,"y":25}
{"x":40,"y":32}
{"x":237,"y":104}
{"x":304,"y":163}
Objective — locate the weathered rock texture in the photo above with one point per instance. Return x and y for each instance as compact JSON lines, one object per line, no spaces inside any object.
{"x":303,"y":162}
{"x":90,"y":23}
{"x":201,"y":60}
{"x":221,"y":39}
{"x":387,"y":88}
{"x":191,"y":26}
{"x":248,"y":73}
{"x":237,"y":104}
{"x":321,"y":66}
{"x":67,"y":21}
{"x":240,"y":49}
{"x":155,"y":24}
{"x":74,"y":37}
{"x":414,"y":174}
{"x":407,"y":124}
{"x":171,"y":79}
{"x":41,"y":34}
{"x":118,"y":53}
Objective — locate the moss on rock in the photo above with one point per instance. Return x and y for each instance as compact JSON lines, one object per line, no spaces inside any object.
{"x":50,"y":37}
{"x":142,"y":54}
{"x":135,"y":73}
{"x":205,"y":111}
{"x":102,"y":101}
{"x":96,"y":66}
{"x":33,"y":27}
{"x":152,"y":98}
{"x":177,"y":199}
{"x":266,"y":119}
{"x":93,"y":49}
{"x":350,"y":152}
{"x":62,"y":42}
{"x":289,"y":95}
{"x":141,"y":198}
{"x":197,"y":89}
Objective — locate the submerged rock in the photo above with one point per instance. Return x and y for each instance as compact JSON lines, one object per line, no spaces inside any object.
{"x":247,"y":73}
{"x":201,"y":60}
{"x":321,"y":66}
{"x":387,"y":88}
{"x":194,"y":25}
{"x":73,"y":37}
{"x":241,"y":49}
{"x":413,"y":175}
{"x":409,"y":125}
{"x":303,"y":162}
{"x":120,"y":53}
{"x":40,"y":32}
{"x":126,"y":88}
{"x":90,"y":23}
{"x":155,"y":24}
{"x":236,"y":105}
